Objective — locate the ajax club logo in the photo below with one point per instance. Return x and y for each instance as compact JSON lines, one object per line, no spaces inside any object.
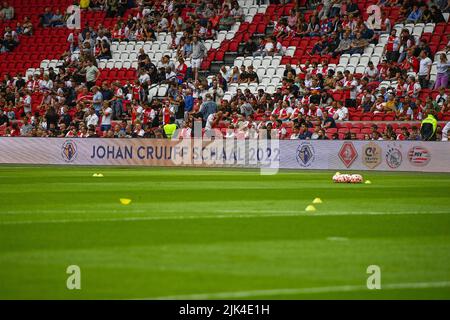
{"x":69,"y":151}
{"x":393,"y":157}
{"x":419,"y":156}
{"x":305,"y":154}
{"x":371,"y":155}
{"x":348,"y":154}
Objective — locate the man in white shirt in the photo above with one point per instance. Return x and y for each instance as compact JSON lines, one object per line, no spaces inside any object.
{"x":424,"y":69}
{"x":341,"y":113}
{"x":92,"y":118}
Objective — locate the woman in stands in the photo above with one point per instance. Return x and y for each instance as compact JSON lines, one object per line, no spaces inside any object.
{"x":442,"y":68}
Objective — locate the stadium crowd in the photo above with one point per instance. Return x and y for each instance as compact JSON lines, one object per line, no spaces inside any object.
{"x":74,"y":103}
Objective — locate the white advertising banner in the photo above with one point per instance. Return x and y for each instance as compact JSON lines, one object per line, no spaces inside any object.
{"x":366,"y":155}
{"x":283,"y":154}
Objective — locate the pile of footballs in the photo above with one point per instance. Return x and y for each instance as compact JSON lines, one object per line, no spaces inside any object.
{"x":347,"y":178}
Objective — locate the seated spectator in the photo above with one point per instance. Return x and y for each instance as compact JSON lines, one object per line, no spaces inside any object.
{"x":27,"y":27}
{"x":105,"y":52}
{"x":357,"y":45}
{"x":237,"y":13}
{"x":46,"y":18}
{"x":252,"y":76}
{"x":57,"y":19}
{"x":436,"y":15}
{"x":226,"y":22}
{"x":415,"y":14}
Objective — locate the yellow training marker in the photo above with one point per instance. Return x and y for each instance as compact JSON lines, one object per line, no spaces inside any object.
{"x":125,"y":201}
{"x":95,"y":175}
{"x":310,"y":208}
{"x":317,"y":200}
{"x":100,"y":175}
{"x":368,"y":182}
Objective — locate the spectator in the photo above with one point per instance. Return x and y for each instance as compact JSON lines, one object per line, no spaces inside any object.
{"x":46,"y":18}
{"x":6,"y":12}
{"x":57,"y":19}
{"x":424,"y":69}
{"x":198,"y":53}
{"x":442,"y":68}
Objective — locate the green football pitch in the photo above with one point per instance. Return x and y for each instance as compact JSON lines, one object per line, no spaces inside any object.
{"x":221,"y":234}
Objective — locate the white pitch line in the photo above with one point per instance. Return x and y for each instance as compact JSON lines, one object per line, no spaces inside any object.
{"x":265,"y":214}
{"x":293,"y":291}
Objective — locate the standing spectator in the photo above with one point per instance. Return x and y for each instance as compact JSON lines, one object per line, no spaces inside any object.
{"x":442,"y":68}
{"x":424,"y":69}
{"x":7,"y":12}
{"x":207,"y":108}
{"x":198,"y":53}
{"x":92,"y":74}
{"x":97,"y":99}
{"x":117,"y":101}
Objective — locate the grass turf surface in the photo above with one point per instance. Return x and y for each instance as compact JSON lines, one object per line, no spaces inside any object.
{"x":219,"y":234}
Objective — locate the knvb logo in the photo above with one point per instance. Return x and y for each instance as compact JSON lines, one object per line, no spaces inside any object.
{"x":305,"y":154}
{"x":348,"y":154}
{"x":69,"y":151}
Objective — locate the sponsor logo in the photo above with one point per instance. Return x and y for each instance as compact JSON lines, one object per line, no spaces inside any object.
{"x":348,"y":154}
{"x":371,"y":155}
{"x":393,"y":157}
{"x":419,"y":156}
{"x":69,"y":151}
{"x":305,"y":154}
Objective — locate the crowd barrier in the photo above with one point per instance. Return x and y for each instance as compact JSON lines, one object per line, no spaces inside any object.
{"x":283,"y":154}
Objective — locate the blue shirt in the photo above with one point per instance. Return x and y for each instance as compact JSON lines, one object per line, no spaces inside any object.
{"x":415,"y":15}
{"x":188,"y":103}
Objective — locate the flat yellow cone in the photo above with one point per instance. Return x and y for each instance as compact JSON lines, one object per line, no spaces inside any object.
{"x":95,"y":175}
{"x":368,"y":182}
{"x":310,"y":208}
{"x":125,"y":201}
{"x":100,"y":175}
{"x":337,"y":173}
{"x":317,"y":200}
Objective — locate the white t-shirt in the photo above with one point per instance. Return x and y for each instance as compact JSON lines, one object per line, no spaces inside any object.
{"x":106,"y":117}
{"x":144,"y":78}
{"x":424,"y":65}
{"x":209,"y":121}
{"x":354,"y":90}
{"x":27,"y":104}
{"x":269,"y":46}
{"x":92,"y":119}
{"x":342,"y":113}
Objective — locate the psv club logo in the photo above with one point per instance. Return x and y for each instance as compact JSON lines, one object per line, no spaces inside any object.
{"x":305,"y":154}
{"x":69,"y":151}
{"x":348,"y":154}
{"x":419,"y":156}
